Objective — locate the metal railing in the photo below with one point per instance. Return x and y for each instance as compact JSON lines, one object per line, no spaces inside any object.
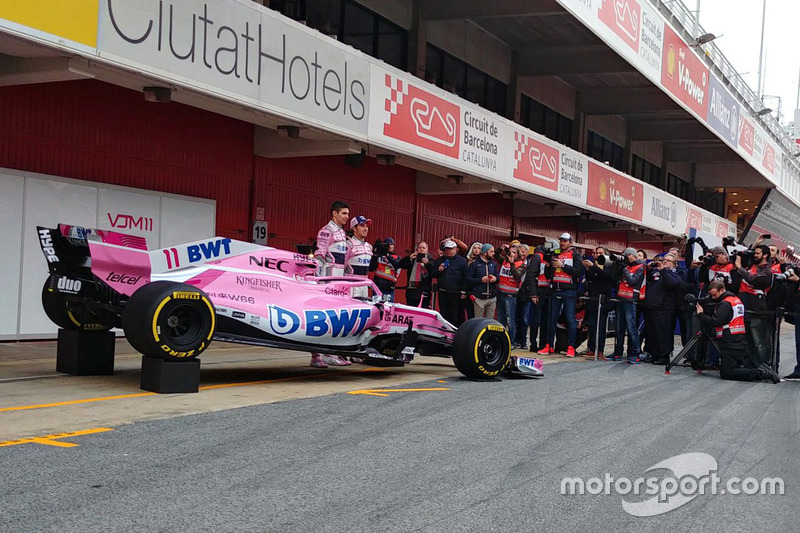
{"x":684,"y":19}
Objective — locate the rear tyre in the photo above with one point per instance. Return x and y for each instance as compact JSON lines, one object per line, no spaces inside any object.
{"x":71,"y":315}
{"x":170,"y":320}
{"x":481,"y":348}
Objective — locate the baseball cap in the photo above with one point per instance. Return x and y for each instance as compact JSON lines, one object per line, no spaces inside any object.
{"x":515,"y":242}
{"x":388,"y":240}
{"x":450,"y":244}
{"x":360,"y":219}
{"x":565,"y":237}
{"x":629,"y":251}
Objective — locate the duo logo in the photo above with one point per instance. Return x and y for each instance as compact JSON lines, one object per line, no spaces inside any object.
{"x":319,"y":323}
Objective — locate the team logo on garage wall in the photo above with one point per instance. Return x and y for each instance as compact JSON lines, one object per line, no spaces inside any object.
{"x":625,"y":18}
{"x":421,"y":118}
{"x":536,"y":162}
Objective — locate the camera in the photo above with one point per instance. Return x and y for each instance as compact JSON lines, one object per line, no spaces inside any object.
{"x":747,"y":257}
{"x":381,"y":248}
{"x":707,"y":303}
{"x":610,"y":258}
{"x":551,"y":250}
{"x":708,"y":260}
{"x":420,"y":257}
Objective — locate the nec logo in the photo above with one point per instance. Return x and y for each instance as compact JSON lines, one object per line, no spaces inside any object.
{"x":198,"y":252}
{"x":121,"y":221}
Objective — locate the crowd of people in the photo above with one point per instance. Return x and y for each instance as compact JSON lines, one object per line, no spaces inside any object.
{"x":552,"y":298}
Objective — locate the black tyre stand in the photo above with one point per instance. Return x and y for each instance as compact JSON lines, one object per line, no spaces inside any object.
{"x":170,"y":377}
{"x":85,"y":353}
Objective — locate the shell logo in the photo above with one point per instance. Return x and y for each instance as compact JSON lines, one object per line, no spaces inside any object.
{"x":671,"y":61}
{"x":603,"y":191}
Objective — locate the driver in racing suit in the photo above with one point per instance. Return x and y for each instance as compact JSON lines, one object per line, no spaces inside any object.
{"x":359,"y":253}
{"x":330,"y":256}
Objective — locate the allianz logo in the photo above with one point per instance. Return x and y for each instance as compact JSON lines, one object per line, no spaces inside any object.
{"x":664,"y":211}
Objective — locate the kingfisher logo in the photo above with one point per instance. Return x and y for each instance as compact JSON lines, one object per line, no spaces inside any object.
{"x":664,"y":211}
{"x":536,"y":162}
{"x":421,"y":118}
{"x":624,"y":17}
{"x":614,"y":193}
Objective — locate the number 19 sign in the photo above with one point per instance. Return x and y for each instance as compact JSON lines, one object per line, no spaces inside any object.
{"x":260,"y":232}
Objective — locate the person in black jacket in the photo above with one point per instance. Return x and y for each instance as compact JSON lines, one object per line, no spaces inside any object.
{"x":658,"y":305}
{"x":451,"y":272}
{"x":756,"y":281}
{"x":599,"y":283}
{"x":419,"y":266}
{"x":793,"y":303}
{"x":538,"y":289}
{"x":726,"y":327}
{"x":630,"y":275}
{"x":482,"y":283}
{"x":564,"y":272}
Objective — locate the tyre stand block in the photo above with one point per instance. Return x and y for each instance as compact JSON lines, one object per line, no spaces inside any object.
{"x":170,"y":377}
{"x":85,"y":353}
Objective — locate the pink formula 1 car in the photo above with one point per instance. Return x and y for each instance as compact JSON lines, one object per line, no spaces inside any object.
{"x":173,"y":302}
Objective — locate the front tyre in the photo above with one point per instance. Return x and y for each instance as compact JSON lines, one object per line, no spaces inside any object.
{"x":481,"y":348}
{"x":174,"y":321}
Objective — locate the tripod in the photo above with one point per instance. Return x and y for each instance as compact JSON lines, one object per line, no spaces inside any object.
{"x":700,"y":360}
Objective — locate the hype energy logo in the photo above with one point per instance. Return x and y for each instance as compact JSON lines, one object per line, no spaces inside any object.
{"x":536,"y":162}
{"x":672,"y":483}
{"x":614,"y":193}
{"x":624,"y":17}
{"x":421,"y":118}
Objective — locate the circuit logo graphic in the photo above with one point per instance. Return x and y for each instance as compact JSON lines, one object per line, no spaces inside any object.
{"x":421,"y":118}
{"x":624,"y":17}
{"x":536,"y":162}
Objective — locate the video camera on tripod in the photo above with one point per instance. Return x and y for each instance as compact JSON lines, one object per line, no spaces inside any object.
{"x":707,"y":303}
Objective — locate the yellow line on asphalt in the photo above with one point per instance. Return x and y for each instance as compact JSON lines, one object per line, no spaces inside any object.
{"x":51,"y":440}
{"x":380,"y":392}
{"x":207,"y":387}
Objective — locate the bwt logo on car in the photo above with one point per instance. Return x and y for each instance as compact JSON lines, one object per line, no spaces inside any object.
{"x":198,"y":252}
{"x":318,"y":323}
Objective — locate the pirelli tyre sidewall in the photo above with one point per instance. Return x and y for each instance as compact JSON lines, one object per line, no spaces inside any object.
{"x":481,"y":348}
{"x":170,"y":320}
{"x":70,"y":315}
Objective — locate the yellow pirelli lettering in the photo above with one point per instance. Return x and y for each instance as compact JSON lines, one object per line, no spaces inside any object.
{"x":75,"y":20}
{"x":493,"y":327}
{"x":185,"y":295}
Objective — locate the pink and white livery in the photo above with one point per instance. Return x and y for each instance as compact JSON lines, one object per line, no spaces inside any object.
{"x":173,"y":302}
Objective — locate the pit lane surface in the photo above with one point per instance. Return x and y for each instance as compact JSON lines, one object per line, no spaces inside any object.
{"x":478,"y":457}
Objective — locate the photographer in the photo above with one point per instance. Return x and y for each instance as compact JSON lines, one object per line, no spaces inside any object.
{"x":564,"y":272}
{"x":385,"y":264}
{"x":599,"y":283}
{"x":756,"y":282}
{"x":523,"y":299}
{"x":511,"y":272}
{"x":716,"y":265}
{"x":419,"y":266}
{"x":631,"y":278}
{"x":482,"y":283}
{"x":538,"y":289}
{"x":658,"y":304}
{"x":451,"y":272}
{"x":793,"y":303}
{"x":728,"y":323}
